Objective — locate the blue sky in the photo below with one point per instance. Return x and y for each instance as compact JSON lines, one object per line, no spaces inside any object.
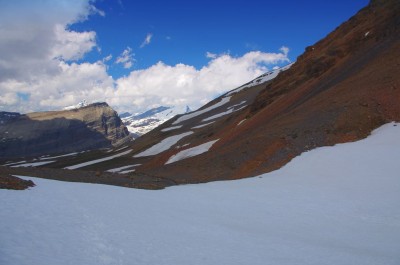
{"x":54,"y":53}
{"x":183,"y":31}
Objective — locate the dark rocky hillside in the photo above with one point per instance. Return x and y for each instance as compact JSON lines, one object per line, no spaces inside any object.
{"x":42,"y":133}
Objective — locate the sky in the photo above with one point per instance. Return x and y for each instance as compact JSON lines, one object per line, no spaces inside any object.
{"x":136,"y":55}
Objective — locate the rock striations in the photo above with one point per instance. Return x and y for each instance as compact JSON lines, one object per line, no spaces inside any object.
{"x":42,"y":133}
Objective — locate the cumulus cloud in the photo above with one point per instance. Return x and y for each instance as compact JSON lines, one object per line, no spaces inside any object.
{"x":37,"y":48}
{"x":126,"y":58}
{"x":147,"y":40}
{"x":71,"y":45}
{"x":41,"y":68}
{"x":182,"y":84}
{"x":211,"y":55}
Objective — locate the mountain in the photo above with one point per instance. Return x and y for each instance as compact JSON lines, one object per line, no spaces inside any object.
{"x":339,"y":90}
{"x":142,"y":123}
{"x":87,"y":127}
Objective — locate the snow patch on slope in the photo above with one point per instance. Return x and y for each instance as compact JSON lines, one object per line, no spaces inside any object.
{"x":261,"y":79}
{"x":164,"y":145}
{"x":194,"y":151}
{"x":171,"y":128}
{"x":34,"y":164}
{"x":98,"y":160}
{"x":219,"y":115}
{"x":118,"y":169}
{"x":191,"y":115}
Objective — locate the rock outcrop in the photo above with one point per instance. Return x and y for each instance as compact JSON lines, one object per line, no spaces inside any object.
{"x":42,"y":133}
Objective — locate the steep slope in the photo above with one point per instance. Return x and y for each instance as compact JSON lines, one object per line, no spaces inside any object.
{"x":339,"y":90}
{"x":41,"y":133}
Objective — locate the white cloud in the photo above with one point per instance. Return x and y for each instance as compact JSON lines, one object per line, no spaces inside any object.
{"x":71,"y":45}
{"x":182,"y":84}
{"x":39,"y":68}
{"x":211,"y":55}
{"x":107,"y":58}
{"x":147,"y":40}
{"x":35,"y":47}
{"x":126,"y":58}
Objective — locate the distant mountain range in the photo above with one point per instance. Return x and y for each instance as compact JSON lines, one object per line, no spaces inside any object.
{"x":142,"y":123}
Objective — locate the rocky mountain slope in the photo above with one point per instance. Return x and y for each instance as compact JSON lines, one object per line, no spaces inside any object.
{"x":41,"y":133}
{"x":339,"y":90}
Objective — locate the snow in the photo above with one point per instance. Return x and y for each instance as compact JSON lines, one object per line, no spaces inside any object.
{"x":241,"y":122}
{"x":171,"y":128}
{"x":219,"y":115}
{"x":139,"y":124}
{"x":333,"y":205}
{"x":127,"y":171}
{"x":34,"y":164}
{"x":164,"y":145}
{"x":194,"y":151}
{"x":261,"y":79}
{"x":122,"y":168}
{"x":191,"y":115}
{"x":52,"y":157}
{"x":81,"y":104}
{"x":98,"y":160}
{"x":237,"y":105}
{"x":14,"y":163}
{"x":202,"y":125}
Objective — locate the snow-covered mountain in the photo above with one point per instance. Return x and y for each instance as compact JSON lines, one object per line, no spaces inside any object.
{"x":81,"y":104}
{"x":141,"y":123}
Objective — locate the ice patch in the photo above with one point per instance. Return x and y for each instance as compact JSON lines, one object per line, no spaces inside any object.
{"x":202,"y":125}
{"x":222,"y":114}
{"x":113,"y":170}
{"x":191,"y":115}
{"x":171,"y":128}
{"x":34,"y":164}
{"x":194,"y":151}
{"x":98,"y":160}
{"x":164,"y":145}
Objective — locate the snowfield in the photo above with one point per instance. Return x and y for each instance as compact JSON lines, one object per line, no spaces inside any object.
{"x":333,"y":205}
{"x":164,"y":145}
{"x":196,"y":113}
{"x":190,"y":152}
{"x":85,"y":164}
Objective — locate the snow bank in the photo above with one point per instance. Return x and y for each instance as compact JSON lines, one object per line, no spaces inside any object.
{"x":219,"y":115}
{"x":202,"y":125}
{"x":333,"y":205}
{"x":34,"y":164}
{"x":199,"y":112}
{"x":194,"y":151}
{"x":113,"y":170}
{"x":261,"y":79}
{"x":171,"y":128}
{"x":164,"y":145}
{"x":98,"y":160}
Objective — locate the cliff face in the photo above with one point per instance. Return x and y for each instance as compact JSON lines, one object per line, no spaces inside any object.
{"x":41,"y":133}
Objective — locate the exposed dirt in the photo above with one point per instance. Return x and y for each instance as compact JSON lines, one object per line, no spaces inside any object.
{"x":140,"y":181}
{"x":14,"y":183}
